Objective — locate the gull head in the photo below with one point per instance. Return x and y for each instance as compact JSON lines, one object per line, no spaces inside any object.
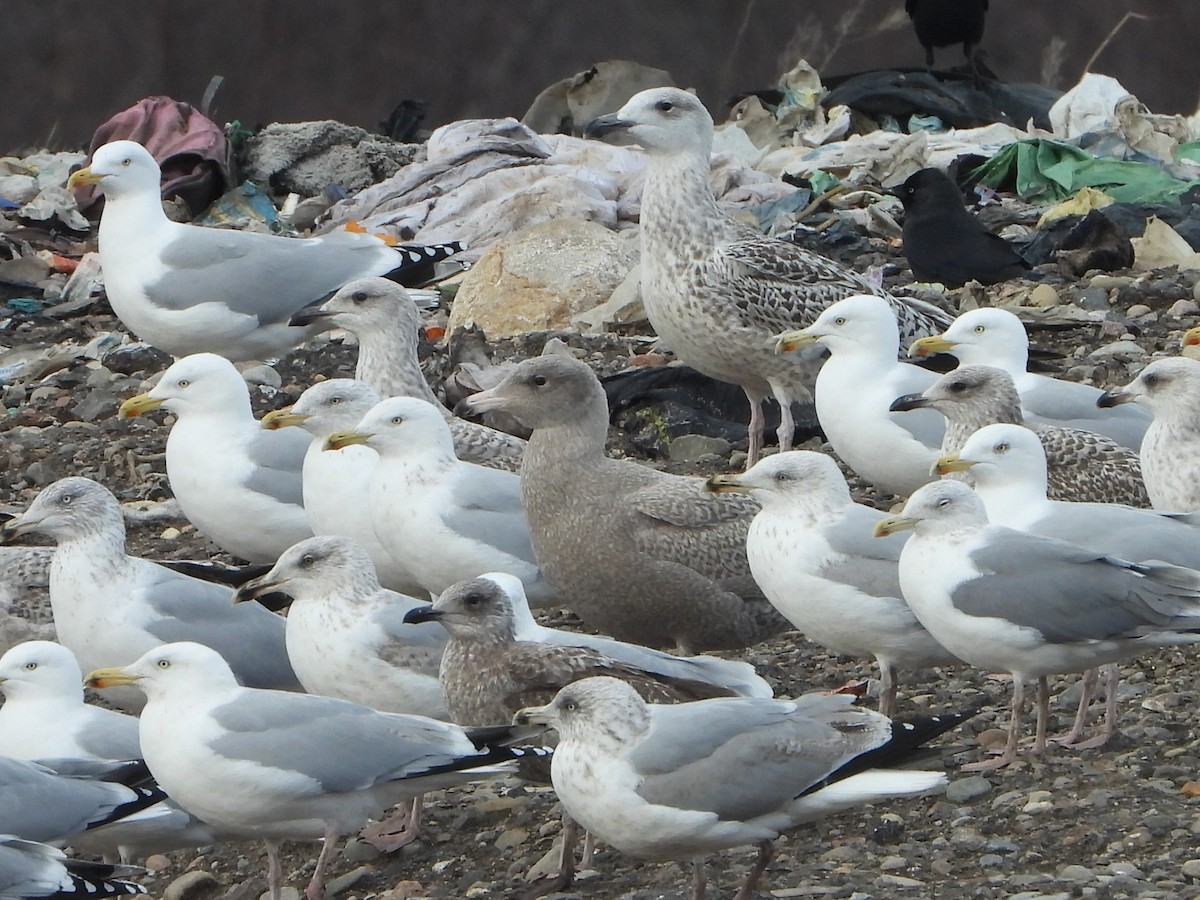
{"x":1170,"y":388}
{"x":202,"y":383}
{"x":603,"y":712}
{"x":968,"y":390}
{"x":788,"y":479}
{"x":663,"y":121}
{"x":987,"y":336}
{"x":939,"y":507}
{"x":856,"y":324}
{"x":40,"y":669}
{"x":399,"y":427}
{"x":181,"y":669}
{"x":67,"y":508}
{"x":366,"y":304}
{"x":119,"y":168}
{"x":328,"y":406}
{"x":542,"y":392}
{"x":999,"y":454}
{"x":479,"y":610}
{"x":314,"y":567}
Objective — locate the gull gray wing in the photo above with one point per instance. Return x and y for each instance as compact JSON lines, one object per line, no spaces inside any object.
{"x":278,"y":460}
{"x":486,"y":507}
{"x":1123,"y":531}
{"x":338,"y":746}
{"x":264,"y":275}
{"x":871,"y":564}
{"x":1070,"y":594}
{"x":743,"y":758}
{"x":110,"y":735}
{"x":42,"y":806}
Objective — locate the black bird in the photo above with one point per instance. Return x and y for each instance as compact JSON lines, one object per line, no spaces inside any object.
{"x":940,"y":23}
{"x":944,"y":242}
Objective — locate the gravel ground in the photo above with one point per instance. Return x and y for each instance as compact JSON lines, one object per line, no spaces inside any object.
{"x":1111,"y":823}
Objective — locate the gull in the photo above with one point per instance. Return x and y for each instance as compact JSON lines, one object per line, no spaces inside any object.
{"x":384,"y":319}
{"x":30,"y":870}
{"x":280,"y":766}
{"x":441,"y":518}
{"x":811,"y":551}
{"x":639,"y":554}
{"x":237,"y":483}
{"x":337,"y":484}
{"x":855,"y":389}
{"x":686,"y":780}
{"x":186,"y":289}
{"x":717,"y":291}
{"x":1171,"y":448}
{"x":996,"y":337}
{"x":108,"y":605}
{"x":1008,"y":467}
{"x":1082,"y":465}
{"x":1007,"y":601}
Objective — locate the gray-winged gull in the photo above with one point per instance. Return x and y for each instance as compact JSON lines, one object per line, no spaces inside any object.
{"x":288,"y":766}
{"x":1007,"y":601}
{"x":1082,"y":465}
{"x":1171,"y":448}
{"x":686,"y":780}
{"x":42,"y":805}
{"x":384,"y":319}
{"x":443,"y":519}
{"x":716,"y":290}
{"x":187,"y":289}
{"x":30,"y":870}
{"x":1008,"y":467}
{"x":639,"y":554}
{"x":811,"y":551}
{"x":108,"y":605}
{"x":995,"y":337}
{"x":855,"y":389}
{"x":239,"y":484}
{"x":337,"y":484}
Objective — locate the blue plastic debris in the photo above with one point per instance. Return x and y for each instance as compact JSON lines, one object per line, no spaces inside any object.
{"x":28,"y":305}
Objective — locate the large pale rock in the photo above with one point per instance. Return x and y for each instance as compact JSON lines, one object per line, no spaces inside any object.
{"x":542,"y":277}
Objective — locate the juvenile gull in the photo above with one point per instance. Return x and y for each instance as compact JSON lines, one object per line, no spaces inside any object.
{"x":687,"y":780}
{"x":997,"y":338}
{"x":238,"y":484}
{"x":717,"y":291}
{"x":441,"y":518}
{"x":1170,"y":388}
{"x":108,"y":605}
{"x":337,"y":484}
{"x":811,"y":552}
{"x":384,"y":319}
{"x":346,"y":635}
{"x":186,"y":289}
{"x":1007,"y":601}
{"x":639,"y":554}
{"x":1008,"y":467}
{"x":22,"y":568}
{"x":30,"y":870}
{"x":855,"y":389}
{"x":288,"y":766}
{"x":1082,"y":465}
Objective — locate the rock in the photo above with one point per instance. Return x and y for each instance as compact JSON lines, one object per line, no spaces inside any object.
{"x":511,"y":837}
{"x":624,"y":307}
{"x":1043,"y":296}
{"x":962,"y":790}
{"x":193,"y":885}
{"x":342,"y":882}
{"x":360,"y":852}
{"x":691,"y":447}
{"x":1191,"y":868}
{"x":135,"y":358}
{"x":1076,"y":873}
{"x":542,"y":277}
{"x":1184,"y":307}
{"x":157,"y":862}
{"x":1138,"y":310}
{"x":1093,"y":298}
{"x":1123,"y":350}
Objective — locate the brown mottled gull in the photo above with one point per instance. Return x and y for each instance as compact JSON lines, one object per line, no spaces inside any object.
{"x":1082,"y":465}
{"x":386,"y":322}
{"x":639,"y":554}
{"x":1171,"y":448}
{"x":716,"y":290}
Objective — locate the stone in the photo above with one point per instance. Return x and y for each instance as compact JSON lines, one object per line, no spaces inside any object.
{"x":1043,"y":296}
{"x":1184,"y":307}
{"x":360,"y":852}
{"x":1191,"y":868}
{"x":962,"y":790}
{"x":1076,"y":873}
{"x":511,"y":837}
{"x":542,"y":277}
{"x":1093,"y":298}
{"x":1138,"y":310}
{"x":1124,"y":350}
{"x":193,"y":885}
{"x":691,"y":447}
{"x":342,"y":882}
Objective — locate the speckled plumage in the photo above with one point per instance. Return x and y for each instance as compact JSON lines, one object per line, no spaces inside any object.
{"x":381,"y":315}
{"x":638,"y":554}
{"x":487,"y":674}
{"x":718,"y":291}
{"x":1081,"y":465}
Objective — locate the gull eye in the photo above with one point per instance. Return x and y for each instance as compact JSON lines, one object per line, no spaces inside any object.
{"x":539,"y":380}
{"x":334,"y":401}
{"x":840,"y":320}
{"x":943,"y":503}
{"x":1002,"y":447}
{"x":473,"y":599}
{"x":127,"y":162}
{"x":30,"y":666}
{"x":1150,"y":379}
{"x":958,"y":386}
{"x":570,"y":705}
{"x":397,"y":420}
{"x":183,"y":382}
{"x":66,"y":499}
{"x":307,"y":560}
{"x":359,"y":296}
{"x":664,"y":106}
{"x":980,"y":329}
{"x":782,"y":476}
{"x":164,"y":664}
